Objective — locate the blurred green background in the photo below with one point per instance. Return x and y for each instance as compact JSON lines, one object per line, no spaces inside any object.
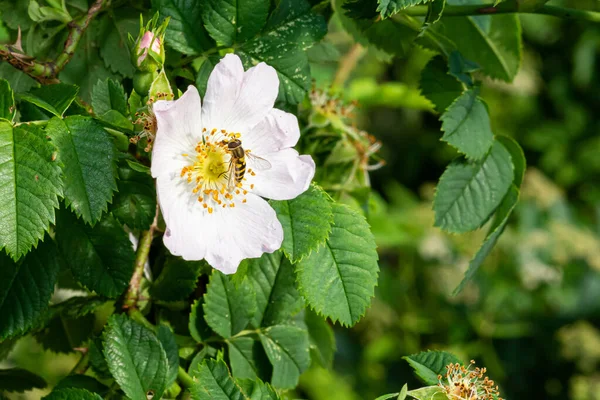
{"x":532,"y":313}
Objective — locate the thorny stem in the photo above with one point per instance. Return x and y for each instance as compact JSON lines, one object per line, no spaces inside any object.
{"x":348,"y":63}
{"x":506,"y":8}
{"x":141,"y":257}
{"x":47,"y":72}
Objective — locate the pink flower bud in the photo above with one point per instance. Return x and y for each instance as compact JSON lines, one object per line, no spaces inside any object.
{"x":145,"y":44}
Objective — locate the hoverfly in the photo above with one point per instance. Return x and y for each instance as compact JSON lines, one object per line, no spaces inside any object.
{"x":237,"y":163}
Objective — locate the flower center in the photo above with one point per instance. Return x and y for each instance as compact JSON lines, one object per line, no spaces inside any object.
{"x":214,"y":171}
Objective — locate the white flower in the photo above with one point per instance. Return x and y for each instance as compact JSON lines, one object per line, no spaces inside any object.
{"x":207,"y":217}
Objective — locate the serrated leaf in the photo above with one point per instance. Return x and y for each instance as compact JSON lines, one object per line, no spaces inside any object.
{"x":291,"y":29}
{"x":29,"y":187}
{"x":322,"y":340}
{"x":429,"y":364}
{"x":338,"y":280}
{"x":26,"y":287}
{"x":185,"y":32}
{"x":167,"y":340}
{"x":97,"y":361}
{"x":428,"y":393}
{"x":274,"y":283}
{"x":177,"y":279}
{"x":72,"y":394}
{"x":438,"y":86}
{"x":387,"y":8}
{"x":109,"y":95}
{"x":247,"y":358}
{"x":19,"y":81}
{"x":88,"y":159}
{"x":215,"y":383}
{"x":257,"y":390}
{"x":228,"y":308}
{"x":52,"y":98}
{"x":306,"y":222}
{"x":499,"y":223}
{"x":20,"y":380}
{"x":288,"y":350}
{"x":494,"y":42}
{"x":466,"y":125}
{"x":135,"y":202}
{"x":100,"y":257}
{"x":199,"y":329}
{"x":113,"y":41}
{"x":135,"y":358}
{"x":469,"y":191}
{"x":82,"y":382}
{"x":234,"y":22}
{"x":7,"y":101}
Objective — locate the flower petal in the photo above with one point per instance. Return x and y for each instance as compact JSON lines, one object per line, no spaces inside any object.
{"x":277,"y":131}
{"x":236,"y":100}
{"x":289,"y":176}
{"x":223,"y":238}
{"x":179,"y":125}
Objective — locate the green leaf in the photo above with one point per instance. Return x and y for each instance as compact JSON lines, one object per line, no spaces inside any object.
{"x":82,"y":382}
{"x":177,"y":279}
{"x":466,"y":125}
{"x":469,"y":191}
{"x":215,"y":383}
{"x":438,"y":86}
{"x":306,"y":222}
{"x":185,"y":32}
{"x":199,"y":329}
{"x":135,"y":202}
{"x":258,"y":390}
{"x":387,"y":8}
{"x":20,"y":380}
{"x":517,"y":156}
{"x":100,"y":257}
{"x":7,"y":101}
{"x":72,"y":394}
{"x":135,"y":358}
{"x":167,"y":340}
{"x":290,"y":31}
{"x":88,"y":157}
{"x":499,"y":223}
{"x":137,"y":166}
{"x":52,"y":98}
{"x":322,"y":340}
{"x":109,"y":95}
{"x":26,"y":287}
{"x":204,"y":70}
{"x":19,"y":81}
{"x":274,"y":282}
{"x":338,"y":280}
{"x":429,"y":364}
{"x":62,"y":335}
{"x":228,"y":309}
{"x":428,"y":393}
{"x":230,"y":22}
{"x":494,"y":42}
{"x":97,"y":361}
{"x":114,"y":44}
{"x":248,"y":359}
{"x":288,"y":350}
{"x":29,"y":187}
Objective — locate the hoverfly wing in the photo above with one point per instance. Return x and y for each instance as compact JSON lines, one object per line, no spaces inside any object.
{"x":258,"y":163}
{"x":231,"y":183}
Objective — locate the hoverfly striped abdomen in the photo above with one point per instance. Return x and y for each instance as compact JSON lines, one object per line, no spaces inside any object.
{"x":238,"y":158}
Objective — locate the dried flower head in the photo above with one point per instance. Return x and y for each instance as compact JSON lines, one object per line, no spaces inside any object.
{"x":464,"y":383}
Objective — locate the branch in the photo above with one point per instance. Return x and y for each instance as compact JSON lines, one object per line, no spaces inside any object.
{"x":47,"y":72}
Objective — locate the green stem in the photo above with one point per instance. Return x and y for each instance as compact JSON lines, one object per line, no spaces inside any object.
{"x":141,"y":257}
{"x":506,"y":7}
{"x":47,"y":72}
{"x":185,"y":379}
{"x":81,"y":365}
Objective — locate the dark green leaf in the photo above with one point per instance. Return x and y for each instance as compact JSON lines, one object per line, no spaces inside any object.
{"x":29,"y":187}
{"x":19,"y":81}
{"x":52,"y":98}
{"x":208,"y":64}
{"x":248,"y":359}
{"x":466,"y":125}
{"x":322,"y":340}
{"x":215,"y":383}
{"x":468,"y":192}
{"x":88,"y":157}
{"x":26,"y":287}
{"x":517,"y":156}
{"x":277,"y":298}
{"x":228,"y":309}
{"x":185,"y":32}
{"x":135,"y":358}
{"x":167,"y":340}
{"x":257,"y":390}
{"x":198,"y":327}
{"x":177,"y":279}
{"x":429,"y":364}
{"x":113,"y":41}
{"x":20,"y":380}
{"x":439,"y":87}
{"x":72,"y":394}
{"x":82,"y":382}
{"x":306,"y":222}
{"x":100,"y":257}
{"x":62,"y":335}
{"x":135,"y":202}
{"x":234,"y":22}
{"x":288,"y":350}
{"x":7,"y":101}
{"x":387,"y":8}
{"x":109,"y":95}
{"x":338,"y":280}
{"x":97,"y":361}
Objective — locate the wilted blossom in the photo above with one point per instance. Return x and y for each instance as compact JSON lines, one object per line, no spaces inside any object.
{"x":210,"y":215}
